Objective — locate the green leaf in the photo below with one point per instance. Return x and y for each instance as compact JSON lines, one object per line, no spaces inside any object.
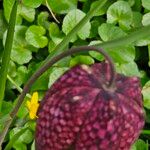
{"x":55,"y":33}
{"x":131,"y":2}
{"x":139,"y":145}
{"x":137,"y":19}
{"x":20,"y":146}
{"x":143,"y":42}
{"x":81,"y":59}
{"x":33,"y":146}
{"x":7,"y":52}
{"x":20,"y":55}
{"x":6,"y":107}
{"x":71,"y":20}
{"x":62,"y":6}
{"x":51,"y":46}
{"x":12,"y":69}
{"x":120,"y":12}
{"x":43,"y":19}
{"x":94,"y":54}
{"x":146,"y":19}
{"x":137,"y":5}
{"x":146,"y":95}
{"x":55,"y":74}
{"x":15,"y":135}
{"x":35,"y":36}
{"x":23,"y":111}
{"x":2,"y":24}
{"x":42,"y":82}
{"x":3,"y":118}
{"x":27,"y":13}
{"x":123,"y":55}
{"x":21,"y":76}
{"x":110,"y":32}
{"x":21,"y":50}
{"x":26,"y":137}
{"x":128,"y":69}
{"x":94,"y":28}
{"x":32,"y":124}
{"x":33,"y":4}
{"x":7,"y":4}
{"x":102,"y":10}
{"x":146,"y":4}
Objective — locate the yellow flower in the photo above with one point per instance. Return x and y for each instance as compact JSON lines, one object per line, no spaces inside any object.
{"x":33,"y":105}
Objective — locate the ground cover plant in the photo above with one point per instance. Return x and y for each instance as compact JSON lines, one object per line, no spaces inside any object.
{"x":45,"y":28}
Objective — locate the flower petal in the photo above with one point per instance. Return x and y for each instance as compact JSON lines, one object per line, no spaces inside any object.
{"x":34,"y":98}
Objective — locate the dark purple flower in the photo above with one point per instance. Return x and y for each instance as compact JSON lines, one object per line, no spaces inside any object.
{"x":80,"y":111}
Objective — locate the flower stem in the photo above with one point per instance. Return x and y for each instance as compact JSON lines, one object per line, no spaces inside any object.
{"x":129,"y":39}
{"x":146,"y":132}
{"x":7,"y":51}
{"x":51,"y":12}
{"x":17,"y":86}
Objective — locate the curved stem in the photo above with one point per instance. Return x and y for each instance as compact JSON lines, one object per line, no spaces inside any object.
{"x":51,"y":62}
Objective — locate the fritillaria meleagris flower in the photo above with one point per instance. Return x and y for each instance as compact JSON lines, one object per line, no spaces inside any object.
{"x":79,"y":112}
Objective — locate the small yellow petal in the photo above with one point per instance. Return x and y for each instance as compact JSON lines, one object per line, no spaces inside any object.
{"x":32,"y":116}
{"x":34,"y":98}
{"x":33,"y":105}
{"x":28,"y":104}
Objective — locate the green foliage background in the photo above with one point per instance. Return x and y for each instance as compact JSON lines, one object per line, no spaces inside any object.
{"x":37,"y":34}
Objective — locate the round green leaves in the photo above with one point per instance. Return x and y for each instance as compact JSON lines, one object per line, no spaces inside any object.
{"x":146,"y":4}
{"x":146,"y":19}
{"x":110,"y":32}
{"x":35,"y":36}
{"x":21,"y":50}
{"x":71,"y":20}
{"x":33,"y":4}
{"x":62,"y":6}
{"x":120,"y":12}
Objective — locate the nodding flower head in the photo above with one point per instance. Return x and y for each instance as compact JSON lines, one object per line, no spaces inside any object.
{"x":81,"y":112}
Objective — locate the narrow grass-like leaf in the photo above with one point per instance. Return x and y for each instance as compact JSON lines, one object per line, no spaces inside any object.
{"x":7,"y":52}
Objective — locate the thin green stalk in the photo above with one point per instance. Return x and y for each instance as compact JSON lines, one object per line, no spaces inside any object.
{"x":146,"y":132}
{"x":16,"y":85}
{"x":7,"y":51}
{"x":129,"y":39}
{"x":51,"y":12}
